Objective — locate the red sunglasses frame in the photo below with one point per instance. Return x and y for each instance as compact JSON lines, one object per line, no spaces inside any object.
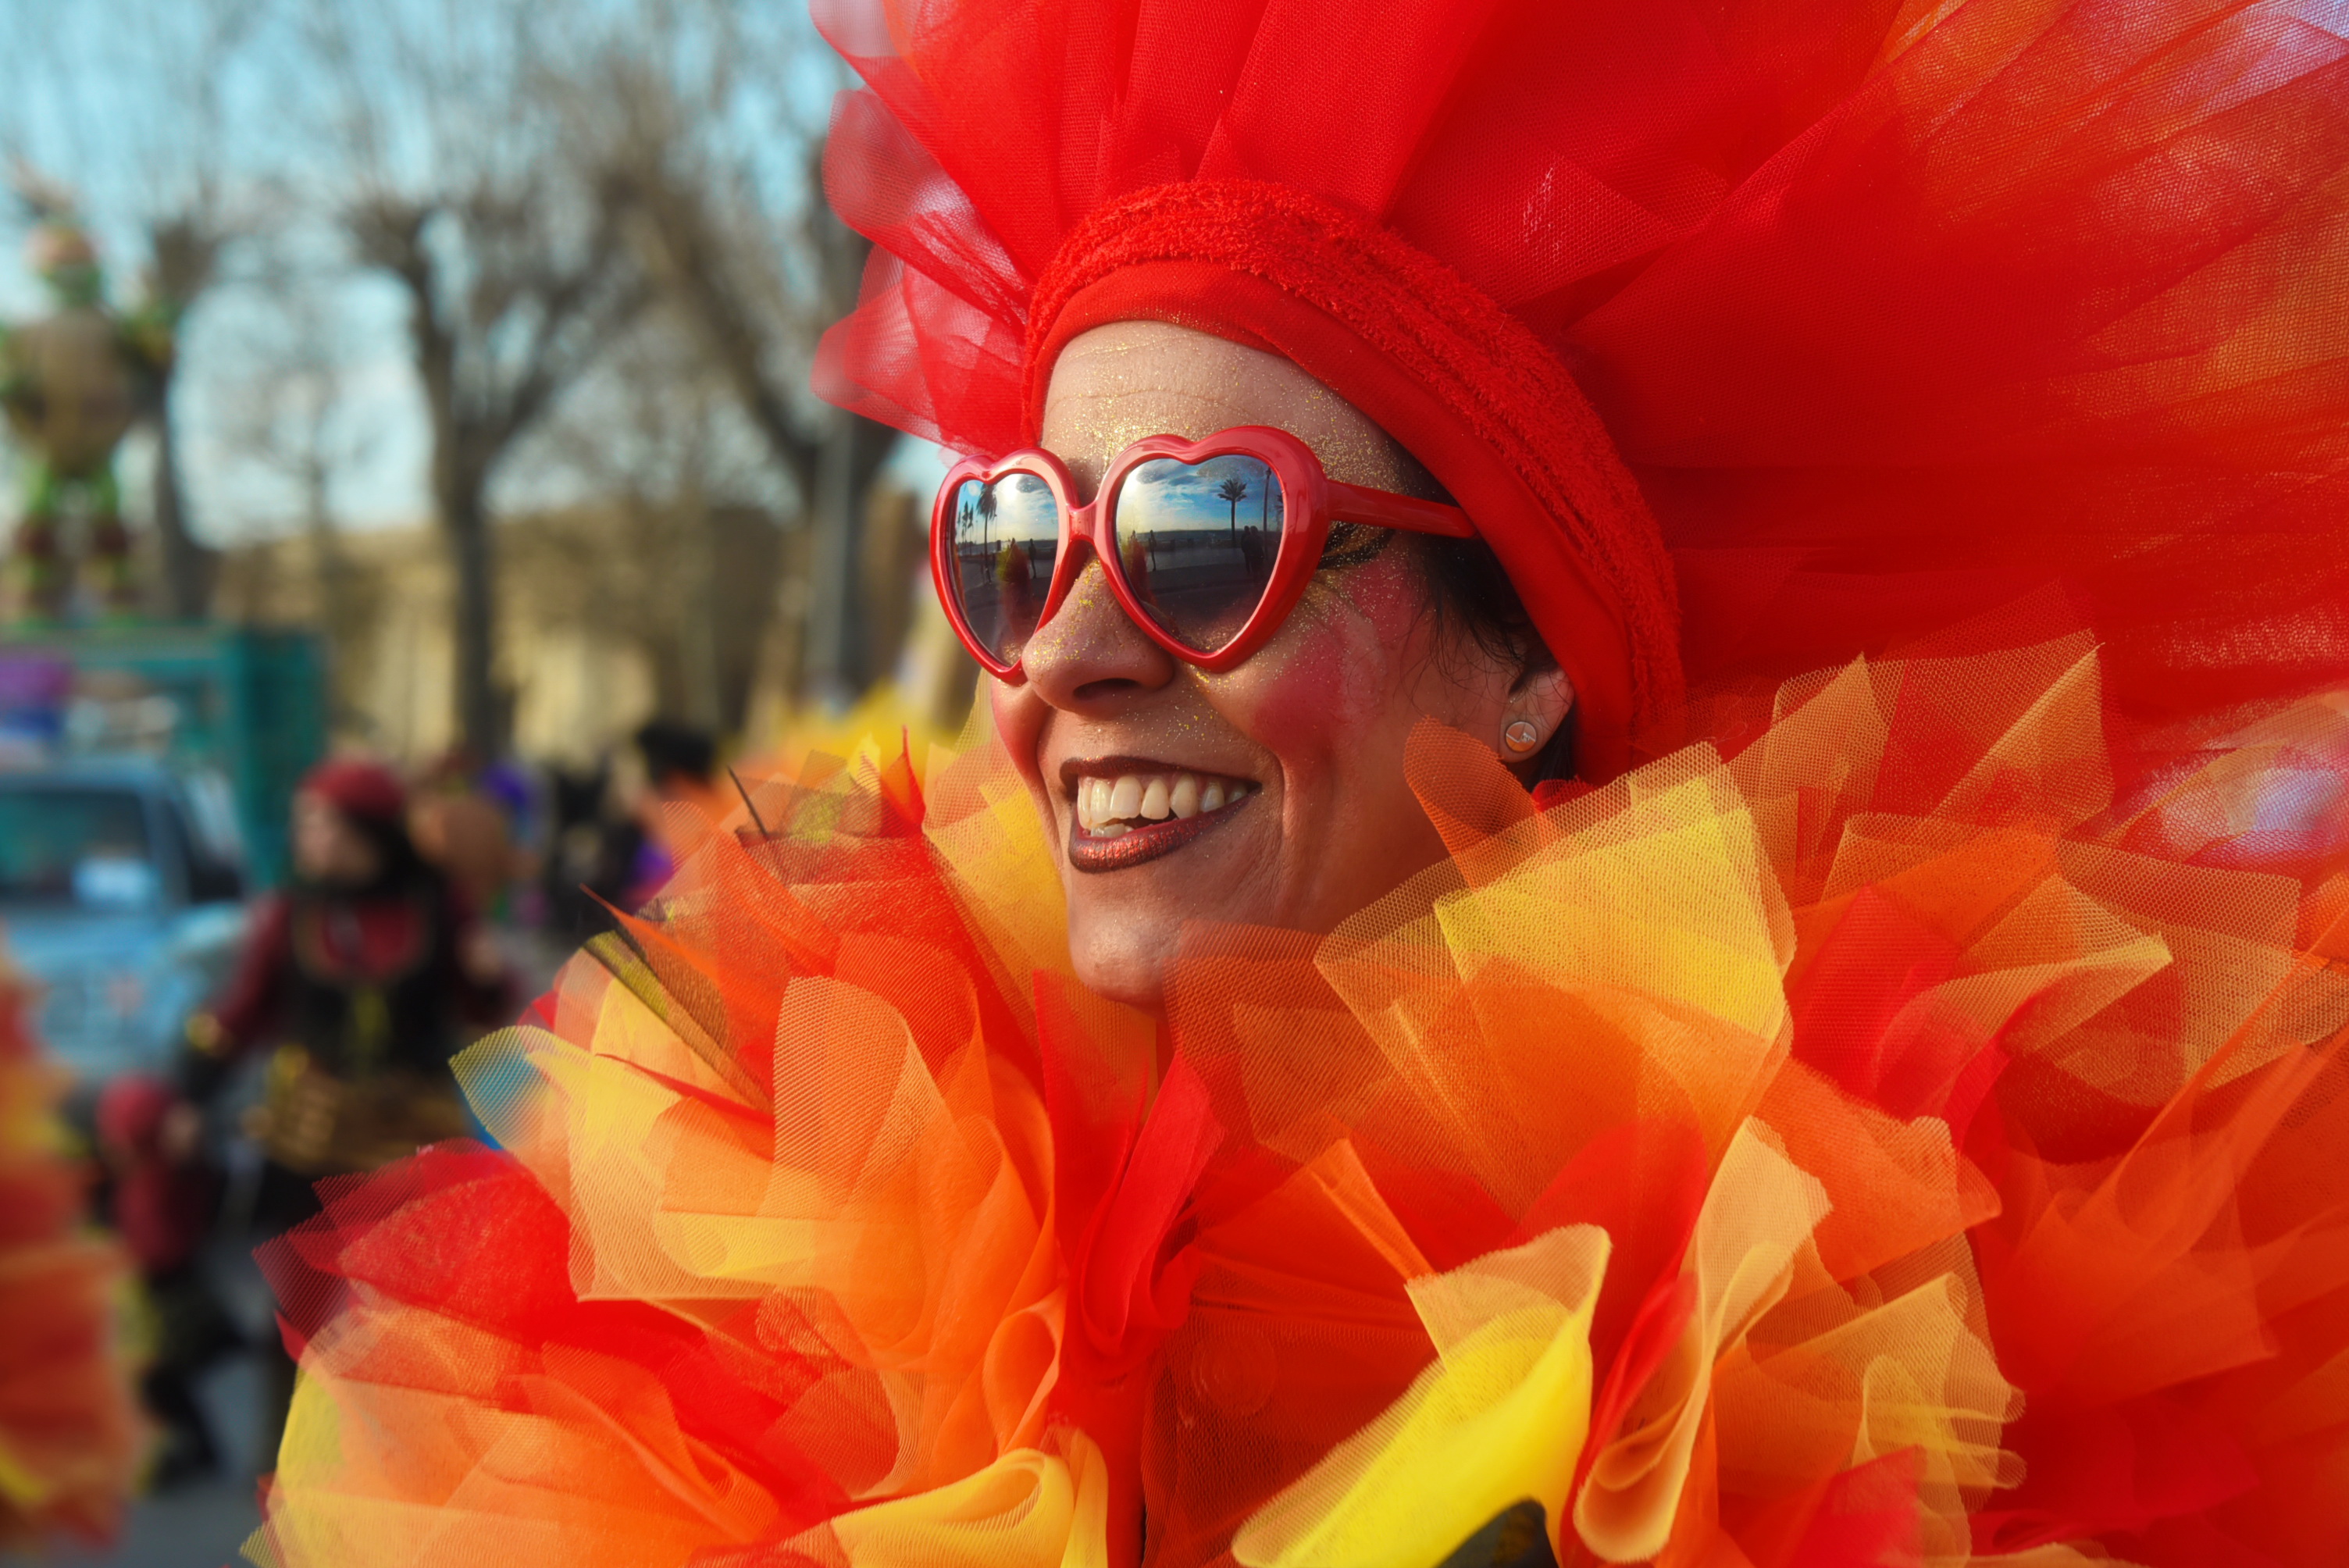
{"x":1311,"y":502}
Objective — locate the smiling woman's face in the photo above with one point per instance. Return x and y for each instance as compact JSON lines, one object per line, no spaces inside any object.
{"x":1279,"y":784}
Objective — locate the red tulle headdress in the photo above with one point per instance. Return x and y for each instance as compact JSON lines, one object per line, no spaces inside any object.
{"x":1897,"y":315}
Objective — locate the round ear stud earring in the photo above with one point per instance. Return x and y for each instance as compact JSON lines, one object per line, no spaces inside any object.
{"x":1521,"y":736}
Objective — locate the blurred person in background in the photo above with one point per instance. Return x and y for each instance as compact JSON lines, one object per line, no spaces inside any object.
{"x":165,"y":1195}
{"x":364,"y":976}
{"x":519,"y":793}
{"x":678,"y":804}
{"x":465,"y":827}
{"x":592,"y":857}
{"x":618,"y":833}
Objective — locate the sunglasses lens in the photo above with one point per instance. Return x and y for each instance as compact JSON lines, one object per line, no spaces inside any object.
{"x":1006,"y":535}
{"x":1198,"y":540}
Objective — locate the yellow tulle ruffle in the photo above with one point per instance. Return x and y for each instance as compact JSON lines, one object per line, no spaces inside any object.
{"x":1774,"y":1158}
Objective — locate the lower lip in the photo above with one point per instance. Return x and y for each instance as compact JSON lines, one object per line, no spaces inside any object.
{"x":1140,"y":844}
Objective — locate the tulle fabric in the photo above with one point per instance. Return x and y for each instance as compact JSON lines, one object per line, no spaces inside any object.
{"x":1499,"y":1417}
{"x":1899,"y":311}
{"x":70,"y":1439}
{"x":1881,"y":1144}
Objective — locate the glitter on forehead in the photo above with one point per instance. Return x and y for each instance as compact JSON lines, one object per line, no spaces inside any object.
{"x":1120,"y":384}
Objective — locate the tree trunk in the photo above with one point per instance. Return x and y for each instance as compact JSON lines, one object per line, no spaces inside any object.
{"x":480,"y":708}
{"x":186,"y":588}
{"x":836,"y":666}
{"x":332,"y":586}
{"x":461,"y":481}
{"x":698,"y":628}
{"x":838,"y":661}
{"x":829,"y":668}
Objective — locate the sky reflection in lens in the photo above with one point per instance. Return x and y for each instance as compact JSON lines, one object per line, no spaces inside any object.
{"x":1198,"y":540}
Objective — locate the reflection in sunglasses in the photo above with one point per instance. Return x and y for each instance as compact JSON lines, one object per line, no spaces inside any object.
{"x":1206,"y":536}
{"x":1196,"y":539}
{"x":1006,"y":539}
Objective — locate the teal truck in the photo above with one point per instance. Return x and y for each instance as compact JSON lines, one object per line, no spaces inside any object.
{"x":146,"y":774}
{"x":246,"y":707}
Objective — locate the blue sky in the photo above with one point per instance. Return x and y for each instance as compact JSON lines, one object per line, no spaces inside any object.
{"x":1178,"y":493}
{"x":1024,"y":508}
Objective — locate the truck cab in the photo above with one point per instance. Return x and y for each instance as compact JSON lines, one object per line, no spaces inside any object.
{"x":122,"y":893}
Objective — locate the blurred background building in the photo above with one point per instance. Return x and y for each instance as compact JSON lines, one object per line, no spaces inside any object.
{"x":608,"y":613}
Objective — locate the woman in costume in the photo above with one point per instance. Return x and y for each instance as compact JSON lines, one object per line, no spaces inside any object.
{"x":1717,"y":935}
{"x":361,"y":981}
{"x":363,"y":976}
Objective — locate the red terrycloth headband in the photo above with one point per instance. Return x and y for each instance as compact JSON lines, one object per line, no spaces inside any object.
{"x":1463,"y":385}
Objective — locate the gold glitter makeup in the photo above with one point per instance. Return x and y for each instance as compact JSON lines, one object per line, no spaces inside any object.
{"x":1120,"y":384}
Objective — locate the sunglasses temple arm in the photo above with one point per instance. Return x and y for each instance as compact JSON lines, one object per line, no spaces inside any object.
{"x":1383,"y":508}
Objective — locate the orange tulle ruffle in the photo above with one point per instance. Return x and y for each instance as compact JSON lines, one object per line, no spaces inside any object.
{"x":69,"y":1437}
{"x":1880,"y":1145}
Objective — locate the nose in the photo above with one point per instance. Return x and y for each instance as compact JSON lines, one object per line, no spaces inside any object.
{"x":1089,"y":658}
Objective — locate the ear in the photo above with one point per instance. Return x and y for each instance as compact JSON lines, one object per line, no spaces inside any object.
{"x":1541,"y":698}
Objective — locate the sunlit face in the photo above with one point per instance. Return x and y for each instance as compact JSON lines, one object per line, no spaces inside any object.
{"x":1270,"y":795}
{"x":327,"y":848}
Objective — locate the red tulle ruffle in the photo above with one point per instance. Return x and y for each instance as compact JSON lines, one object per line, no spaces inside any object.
{"x":1881,"y":1144}
{"x":1899,"y":314}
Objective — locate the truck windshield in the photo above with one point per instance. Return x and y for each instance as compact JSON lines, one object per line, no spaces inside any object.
{"x":82,"y":846}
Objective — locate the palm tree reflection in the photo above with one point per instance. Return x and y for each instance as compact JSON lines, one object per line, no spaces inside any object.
{"x":1233,"y":490}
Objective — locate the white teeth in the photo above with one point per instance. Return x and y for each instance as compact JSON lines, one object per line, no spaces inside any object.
{"x":1110,"y":808}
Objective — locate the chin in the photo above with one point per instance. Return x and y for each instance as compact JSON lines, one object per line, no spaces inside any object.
{"x":1120,"y":965}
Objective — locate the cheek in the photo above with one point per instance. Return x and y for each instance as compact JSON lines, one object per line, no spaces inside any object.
{"x":1305,"y":694}
{"x":1331,"y":676}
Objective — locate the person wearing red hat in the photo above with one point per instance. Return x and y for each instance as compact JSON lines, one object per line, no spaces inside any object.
{"x":364,"y":976}
{"x":367,"y":967}
{"x":1656,"y":873}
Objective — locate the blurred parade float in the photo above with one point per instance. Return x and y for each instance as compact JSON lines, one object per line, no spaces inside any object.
{"x":73,"y":383}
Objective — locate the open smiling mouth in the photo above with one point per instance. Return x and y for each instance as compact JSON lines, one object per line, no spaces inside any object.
{"x":1126,"y":814}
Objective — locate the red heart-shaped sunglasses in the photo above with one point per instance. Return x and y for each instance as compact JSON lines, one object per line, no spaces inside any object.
{"x":1207,"y":544}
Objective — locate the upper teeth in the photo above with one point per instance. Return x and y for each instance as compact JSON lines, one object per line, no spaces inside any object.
{"x":1106,"y":808}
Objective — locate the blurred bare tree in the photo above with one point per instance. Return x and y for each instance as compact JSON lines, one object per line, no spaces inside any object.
{"x":537,"y":205}
{"x":657,"y":442}
{"x":290,"y":415}
{"x":457,"y":181}
{"x":756,"y":277}
{"x":190,"y":219}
